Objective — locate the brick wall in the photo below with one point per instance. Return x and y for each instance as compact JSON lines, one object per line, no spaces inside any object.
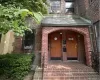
{"x":83,"y":6}
{"x":62,"y":6}
{"x":37,"y":43}
{"x":18,"y":45}
{"x":94,"y":10}
{"x":89,"y":9}
{"x":38,"y":37}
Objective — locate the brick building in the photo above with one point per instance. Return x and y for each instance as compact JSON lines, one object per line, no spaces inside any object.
{"x":68,"y":39}
{"x":88,"y":9}
{"x":71,"y":33}
{"x":91,"y":10}
{"x":67,"y":19}
{"x":68,"y":33}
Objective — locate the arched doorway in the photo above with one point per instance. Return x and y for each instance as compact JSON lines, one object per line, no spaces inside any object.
{"x":66,"y":45}
{"x":46,"y":31}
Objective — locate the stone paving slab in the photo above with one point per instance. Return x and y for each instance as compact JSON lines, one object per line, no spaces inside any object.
{"x":38,"y":74}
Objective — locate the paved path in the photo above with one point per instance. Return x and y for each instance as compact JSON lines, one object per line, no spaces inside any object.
{"x":38,"y":74}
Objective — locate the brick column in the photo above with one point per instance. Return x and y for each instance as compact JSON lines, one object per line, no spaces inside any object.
{"x":62,"y":7}
{"x":38,"y":36}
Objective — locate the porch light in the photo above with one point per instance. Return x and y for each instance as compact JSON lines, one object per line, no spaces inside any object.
{"x":55,"y":38}
{"x":60,"y":33}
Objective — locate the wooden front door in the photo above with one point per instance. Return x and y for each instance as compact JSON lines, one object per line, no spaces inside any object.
{"x":55,"y":46}
{"x":71,"y":46}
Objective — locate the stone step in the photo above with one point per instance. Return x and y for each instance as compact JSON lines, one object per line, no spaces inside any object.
{"x":69,"y":71}
{"x":72,"y":78}
{"x":45,"y":70}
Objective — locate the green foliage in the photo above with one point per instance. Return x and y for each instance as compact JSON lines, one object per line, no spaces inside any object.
{"x":12,"y":18}
{"x":38,"y":16}
{"x":32,"y":5}
{"x":14,"y":12}
{"x":15,"y":66}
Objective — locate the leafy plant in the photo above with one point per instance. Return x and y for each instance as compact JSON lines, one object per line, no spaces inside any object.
{"x":32,"y":5}
{"x":12,"y":18}
{"x":15,"y":66}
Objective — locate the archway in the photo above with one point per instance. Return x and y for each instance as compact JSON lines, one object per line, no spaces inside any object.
{"x":83,"y":31}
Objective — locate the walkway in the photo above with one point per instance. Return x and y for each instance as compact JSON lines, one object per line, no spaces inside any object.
{"x":56,"y":70}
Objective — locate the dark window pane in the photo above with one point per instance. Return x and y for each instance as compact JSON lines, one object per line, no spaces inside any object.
{"x":70,"y":10}
{"x":28,"y":40}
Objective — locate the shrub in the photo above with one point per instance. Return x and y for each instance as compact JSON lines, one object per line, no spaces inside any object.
{"x":15,"y":66}
{"x":95,"y":61}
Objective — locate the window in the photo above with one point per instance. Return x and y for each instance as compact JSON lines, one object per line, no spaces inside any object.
{"x":69,"y":5}
{"x":28,"y":40}
{"x":55,"y":6}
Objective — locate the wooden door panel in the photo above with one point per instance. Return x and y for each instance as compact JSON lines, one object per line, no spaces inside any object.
{"x":71,"y":45}
{"x":55,"y":45}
